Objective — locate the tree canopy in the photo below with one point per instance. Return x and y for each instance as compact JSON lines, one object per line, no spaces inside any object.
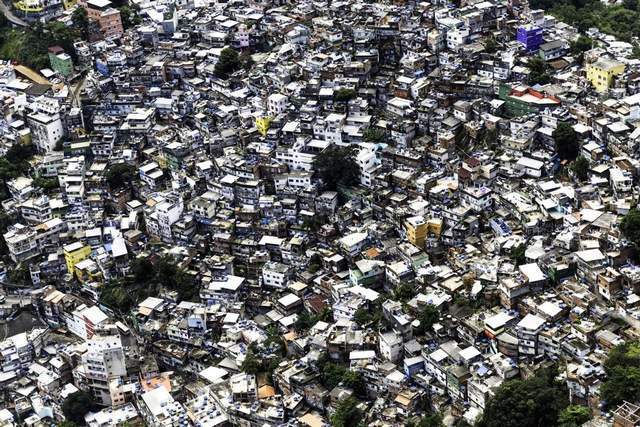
{"x":80,"y":20}
{"x":490,"y":45}
{"x":344,"y":95}
{"x":581,"y":44}
{"x":630,"y":226}
{"x":14,"y":164}
{"x":30,"y":46}
{"x":76,"y":406}
{"x":146,"y":279}
{"x":580,"y":168}
{"x":347,"y":413}
{"x":428,"y":317}
{"x":538,"y":71}
{"x":129,"y":15}
{"x":574,"y":416}
{"x":621,"y":20}
{"x":120,"y":175}
{"x":566,"y":141}
{"x":228,"y":63}
{"x":306,"y":320}
{"x":623,"y":375}
{"x":536,"y":401}
{"x":374,"y":134}
{"x":337,"y":166}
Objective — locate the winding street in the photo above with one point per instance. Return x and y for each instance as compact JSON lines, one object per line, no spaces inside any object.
{"x":6,"y":11}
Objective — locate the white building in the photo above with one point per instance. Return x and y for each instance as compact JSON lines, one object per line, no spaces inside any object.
{"x":150,"y":173}
{"x":369,"y":165}
{"x":390,"y":345}
{"x":73,"y":180}
{"x":22,"y":242}
{"x":46,"y":130}
{"x":84,"y":320}
{"x":103,"y":362}
{"x":276,"y":104}
{"x":528,"y":330}
{"x":160,"y":409}
{"x":18,"y":351}
{"x":276,"y":275}
{"x":163,"y":215}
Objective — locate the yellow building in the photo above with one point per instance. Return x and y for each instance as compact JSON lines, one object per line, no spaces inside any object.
{"x":435,"y":226}
{"x":74,"y":253}
{"x":87,"y":270}
{"x":263,"y":123}
{"x":417,"y":229}
{"x":602,"y":72}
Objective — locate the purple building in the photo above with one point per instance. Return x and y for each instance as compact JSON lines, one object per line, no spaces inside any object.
{"x":530,"y":37}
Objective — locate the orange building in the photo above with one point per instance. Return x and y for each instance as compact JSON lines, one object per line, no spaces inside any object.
{"x":107,"y":17}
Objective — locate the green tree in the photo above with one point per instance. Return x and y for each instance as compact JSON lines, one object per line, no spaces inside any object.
{"x":143,"y":270}
{"x":331,"y":375}
{"x":581,"y":45}
{"x":623,"y":383}
{"x":574,"y":416}
{"x":536,"y":401}
{"x":362,"y":316}
{"x":434,"y":419}
{"x":5,"y":221}
{"x":491,"y":45}
{"x":304,"y":322}
{"x":355,"y":382}
{"x":630,"y":226}
{"x":344,"y":95}
{"x":538,"y":71}
{"x":337,"y":166}
{"x":76,"y":406}
{"x":404,"y":292}
{"x":566,"y":141}
{"x":315,"y":263}
{"x":580,"y":168}
{"x":251,"y":364}
{"x":80,"y":21}
{"x":20,"y":275}
{"x":518,"y":254}
{"x":428,"y":317}
{"x":623,"y":375}
{"x":228,"y":63}
{"x":129,"y":16}
{"x":554,"y":278}
{"x":15,"y":163}
{"x":246,"y":61}
{"x":47,"y":184}
{"x":120,"y":175}
{"x":116,"y":295}
{"x":347,"y":413}
{"x":374,"y":134}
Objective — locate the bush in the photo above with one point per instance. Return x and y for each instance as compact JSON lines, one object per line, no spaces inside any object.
{"x":228,"y":62}
{"x":337,"y":166}
{"x":347,"y":413}
{"x":534,"y":402}
{"x":566,"y":141}
{"x":574,"y":416}
{"x":76,"y":406}
{"x":630,"y":226}
{"x":623,"y":375}
{"x":120,"y":175}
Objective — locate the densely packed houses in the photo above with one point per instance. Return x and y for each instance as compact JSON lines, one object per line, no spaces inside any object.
{"x":250,"y":212}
